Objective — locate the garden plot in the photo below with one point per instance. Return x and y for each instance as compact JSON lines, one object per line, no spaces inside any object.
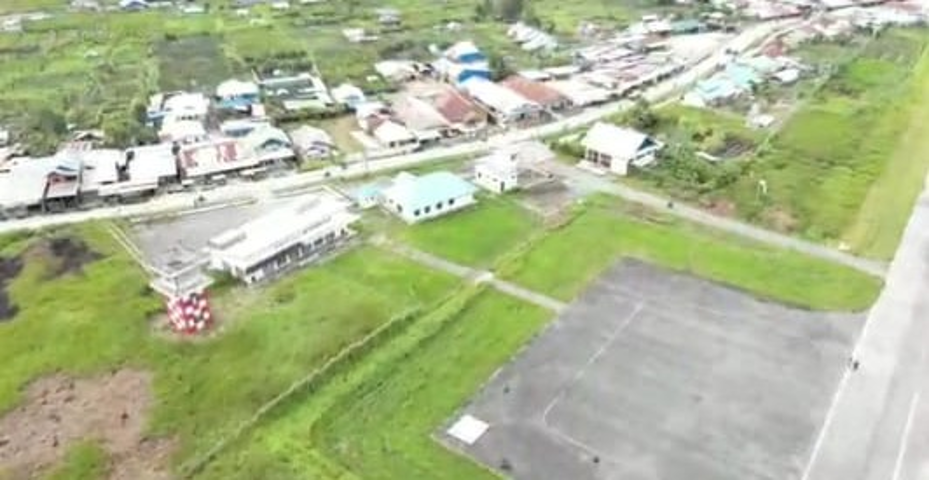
{"x":191,"y":63}
{"x":654,"y":375}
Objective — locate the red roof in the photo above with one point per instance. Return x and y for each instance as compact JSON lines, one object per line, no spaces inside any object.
{"x":456,"y":108}
{"x":538,"y":92}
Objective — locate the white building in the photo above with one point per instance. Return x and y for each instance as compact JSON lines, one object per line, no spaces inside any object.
{"x":417,"y":198}
{"x":498,"y":173}
{"x":616,"y":148}
{"x":391,"y":134}
{"x":287,"y":238}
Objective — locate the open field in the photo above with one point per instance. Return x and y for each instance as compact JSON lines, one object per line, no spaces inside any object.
{"x":653,"y":374}
{"x":475,"y":237}
{"x":842,"y":167}
{"x":601,"y":233}
{"x":191,"y":63}
{"x":268,"y":338}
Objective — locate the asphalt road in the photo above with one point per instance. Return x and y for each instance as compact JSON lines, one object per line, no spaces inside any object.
{"x":878,"y":428}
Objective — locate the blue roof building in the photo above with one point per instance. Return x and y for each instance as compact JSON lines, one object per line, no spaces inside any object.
{"x":418,"y":198}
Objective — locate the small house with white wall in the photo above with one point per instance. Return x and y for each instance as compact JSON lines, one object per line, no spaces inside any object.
{"x":616,"y":148}
{"x":498,"y":172}
{"x":418,"y":198}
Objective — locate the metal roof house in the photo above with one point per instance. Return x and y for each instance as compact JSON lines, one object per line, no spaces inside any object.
{"x":616,"y":148}
{"x":236,"y":94}
{"x":418,"y":198}
{"x":505,"y":105}
{"x":287,"y":238}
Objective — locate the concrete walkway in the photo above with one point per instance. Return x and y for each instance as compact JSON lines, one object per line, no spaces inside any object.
{"x":586,"y":181}
{"x":471,"y":274}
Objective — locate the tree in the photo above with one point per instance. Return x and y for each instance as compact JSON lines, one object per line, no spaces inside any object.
{"x":642,"y":117}
{"x":499,"y":67}
{"x":44,"y":130}
{"x":508,"y":10}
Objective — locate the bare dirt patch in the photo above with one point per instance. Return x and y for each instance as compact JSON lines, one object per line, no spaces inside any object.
{"x":9,"y":270}
{"x":59,"y":411}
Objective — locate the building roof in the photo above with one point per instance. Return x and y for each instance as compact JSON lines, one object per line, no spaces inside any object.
{"x":258,"y":139}
{"x":99,"y":167}
{"x":186,"y":104}
{"x":22,"y":180}
{"x":538,"y":92}
{"x":236,"y":88}
{"x":496,"y":97}
{"x":269,"y":234}
{"x":580,"y":93}
{"x":178,"y":130}
{"x":392,"y":132}
{"x":347,"y":93}
{"x":152,"y":162}
{"x":306,"y":137}
{"x":499,"y":164}
{"x":618,"y":142}
{"x":418,"y":114}
{"x":456,"y":108}
{"x":462,"y":49}
{"x":417,"y":192}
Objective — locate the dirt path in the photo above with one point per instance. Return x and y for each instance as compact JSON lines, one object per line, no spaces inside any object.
{"x":58,"y":411}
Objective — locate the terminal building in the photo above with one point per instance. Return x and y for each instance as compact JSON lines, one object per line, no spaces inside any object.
{"x":285,"y":239}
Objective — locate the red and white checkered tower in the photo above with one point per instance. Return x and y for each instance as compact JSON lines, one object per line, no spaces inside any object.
{"x":184,"y":287}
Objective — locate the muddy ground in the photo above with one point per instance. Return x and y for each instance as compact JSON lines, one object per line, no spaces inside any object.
{"x":64,"y":255}
{"x":9,"y":270}
{"x":58,"y":411}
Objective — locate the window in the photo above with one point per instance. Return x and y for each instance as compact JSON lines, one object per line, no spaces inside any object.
{"x":427,"y":210}
{"x":451,"y":202}
{"x":415,"y":213}
{"x":438,"y":206}
{"x":399,"y":208}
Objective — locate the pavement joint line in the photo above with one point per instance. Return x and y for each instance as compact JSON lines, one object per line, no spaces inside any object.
{"x":590,"y":361}
{"x":908,"y":427}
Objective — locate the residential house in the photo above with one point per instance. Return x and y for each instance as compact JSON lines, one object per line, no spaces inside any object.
{"x":464,"y":117}
{"x":312,"y":142}
{"x":285,"y":239}
{"x":530,"y":38}
{"x":422,"y":119}
{"x":392,"y":135}
{"x":538,"y":92}
{"x":616,"y":148}
{"x":397,"y":70}
{"x":348,"y":95}
{"x":418,"y":198}
{"x":182,"y":131}
{"x":133,"y":5}
{"x":581,"y":94}
{"x":465,"y":52}
{"x":237,"y":94}
{"x":240,"y":127}
{"x":506,"y":106}
{"x":267,"y":145}
{"x":497,"y":172}
{"x":388,"y":17}
{"x":462,"y":62}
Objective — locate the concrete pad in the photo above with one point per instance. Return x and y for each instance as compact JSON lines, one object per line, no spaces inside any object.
{"x":660,"y":375}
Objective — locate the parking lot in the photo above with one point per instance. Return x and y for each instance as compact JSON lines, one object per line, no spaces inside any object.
{"x":659,"y":375}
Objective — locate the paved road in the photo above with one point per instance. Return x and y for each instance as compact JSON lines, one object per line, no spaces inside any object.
{"x":588,"y":181}
{"x":472,"y":274}
{"x":878,"y":428}
{"x":244,"y":190}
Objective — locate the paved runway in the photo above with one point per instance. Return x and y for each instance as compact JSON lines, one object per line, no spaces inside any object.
{"x":878,"y":428}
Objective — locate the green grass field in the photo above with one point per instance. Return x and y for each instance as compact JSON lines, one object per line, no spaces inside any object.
{"x":270,"y":337}
{"x":601,"y":234}
{"x":377,"y":421}
{"x":83,"y":461}
{"x":842,"y":167}
{"x":476,"y":236}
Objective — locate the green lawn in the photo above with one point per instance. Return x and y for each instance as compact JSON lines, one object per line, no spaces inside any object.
{"x":601,"y":235}
{"x":83,"y":461}
{"x":273,"y":336}
{"x":476,"y":236}
{"x":377,"y":421}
